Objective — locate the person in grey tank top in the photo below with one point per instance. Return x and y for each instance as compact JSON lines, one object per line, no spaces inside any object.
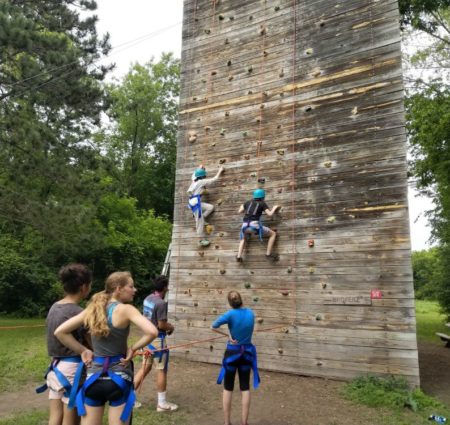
{"x":76,"y":280}
{"x":109,"y":368}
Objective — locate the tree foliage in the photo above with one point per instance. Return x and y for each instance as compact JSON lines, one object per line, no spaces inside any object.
{"x":141,"y":140}
{"x":69,"y":192}
{"x":427,"y":273}
{"x":428,"y":123}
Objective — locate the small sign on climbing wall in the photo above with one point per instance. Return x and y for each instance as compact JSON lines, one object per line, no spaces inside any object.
{"x":348,"y":300}
{"x":376,"y":294}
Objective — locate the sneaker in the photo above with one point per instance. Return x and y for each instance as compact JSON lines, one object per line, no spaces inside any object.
{"x":137,"y":404}
{"x":166,"y":407}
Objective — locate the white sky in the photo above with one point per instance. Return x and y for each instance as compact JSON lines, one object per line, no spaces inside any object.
{"x":142,"y":29}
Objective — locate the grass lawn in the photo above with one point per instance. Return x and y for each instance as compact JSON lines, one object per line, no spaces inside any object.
{"x":144,"y":416}
{"x":23,"y":356}
{"x":429,"y":321}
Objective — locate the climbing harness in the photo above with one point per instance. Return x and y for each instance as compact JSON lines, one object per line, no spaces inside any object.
{"x":124,"y":385}
{"x":254,"y":225}
{"x":70,"y":390}
{"x":159,"y":353}
{"x":195,"y":204}
{"x":245,"y":351}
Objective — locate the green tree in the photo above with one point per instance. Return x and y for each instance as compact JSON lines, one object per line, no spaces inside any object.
{"x":141,"y":140}
{"x":50,"y":97}
{"x":427,"y":273}
{"x":133,"y":240}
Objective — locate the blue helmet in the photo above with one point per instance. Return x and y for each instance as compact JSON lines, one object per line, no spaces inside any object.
{"x":259,"y":194}
{"x":200,"y":172}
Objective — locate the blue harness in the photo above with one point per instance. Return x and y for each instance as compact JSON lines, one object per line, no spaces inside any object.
{"x":247,"y":223}
{"x":197,"y":206}
{"x":164,"y":350}
{"x":70,"y":390}
{"x":126,"y":387}
{"x":246,"y":351}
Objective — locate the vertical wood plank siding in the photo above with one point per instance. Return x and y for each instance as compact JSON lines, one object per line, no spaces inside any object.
{"x":307,"y":94}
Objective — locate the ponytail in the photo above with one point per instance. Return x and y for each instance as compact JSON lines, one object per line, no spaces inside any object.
{"x":96,"y":317}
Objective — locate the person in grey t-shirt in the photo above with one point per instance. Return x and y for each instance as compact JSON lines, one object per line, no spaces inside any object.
{"x":76,"y":280}
{"x":155,"y":310}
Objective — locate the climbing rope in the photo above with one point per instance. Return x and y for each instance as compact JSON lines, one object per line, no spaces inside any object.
{"x":192,"y":28}
{"x":293,"y":175}
{"x":148,"y":352}
{"x":261,"y":106}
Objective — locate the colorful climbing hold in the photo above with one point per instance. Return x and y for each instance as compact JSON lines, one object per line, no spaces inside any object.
{"x":204,"y":242}
{"x":247,"y":285}
{"x":311,"y":243}
{"x":331,"y":219}
{"x":222,"y":271}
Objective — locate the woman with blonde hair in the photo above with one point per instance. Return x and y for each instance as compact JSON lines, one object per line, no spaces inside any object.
{"x":109,"y":366}
{"x":240,"y":355}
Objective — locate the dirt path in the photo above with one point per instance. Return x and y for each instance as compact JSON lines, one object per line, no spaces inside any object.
{"x":281,"y":400}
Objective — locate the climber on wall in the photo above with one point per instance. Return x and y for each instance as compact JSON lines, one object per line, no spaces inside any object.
{"x":201,"y":209}
{"x":253,"y":210}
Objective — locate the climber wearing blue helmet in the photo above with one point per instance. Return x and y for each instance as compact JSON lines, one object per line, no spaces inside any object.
{"x":252,"y":223}
{"x":199,"y":208}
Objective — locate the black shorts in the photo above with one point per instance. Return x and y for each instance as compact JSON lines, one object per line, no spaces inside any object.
{"x":243,"y":367}
{"x":105,"y":390}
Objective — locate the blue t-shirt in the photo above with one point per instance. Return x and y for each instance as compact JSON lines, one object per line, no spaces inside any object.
{"x":240,"y":321}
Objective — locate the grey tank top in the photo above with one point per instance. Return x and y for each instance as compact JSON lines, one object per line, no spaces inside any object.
{"x":115,"y":344}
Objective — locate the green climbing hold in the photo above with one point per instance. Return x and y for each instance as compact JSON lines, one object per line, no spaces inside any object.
{"x":247,"y":285}
{"x":204,"y":242}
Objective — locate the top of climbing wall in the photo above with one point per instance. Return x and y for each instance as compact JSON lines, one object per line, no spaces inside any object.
{"x":303,"y":99}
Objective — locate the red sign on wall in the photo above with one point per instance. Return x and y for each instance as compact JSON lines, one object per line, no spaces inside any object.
{"x":376,"y":294}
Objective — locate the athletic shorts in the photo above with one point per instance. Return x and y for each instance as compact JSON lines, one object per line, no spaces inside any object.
{"x":159,"y":359}
{"x":56,"y":390}
{"x":254,"y":224}
{"x":103,"y":391}
{"x":243,"y":368}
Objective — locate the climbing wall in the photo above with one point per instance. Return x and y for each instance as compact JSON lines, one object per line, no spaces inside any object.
{"x":303,"y":98}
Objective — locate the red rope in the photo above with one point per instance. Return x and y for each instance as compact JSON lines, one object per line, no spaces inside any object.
{"x":21,"y":327}
{"x":198,"y":341}
{"x":293,"y":176}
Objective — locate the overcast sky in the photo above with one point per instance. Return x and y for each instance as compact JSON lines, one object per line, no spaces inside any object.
{"x":142,"y":29}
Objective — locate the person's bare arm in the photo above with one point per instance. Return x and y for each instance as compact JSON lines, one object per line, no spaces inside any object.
{"x":271,"y":212}
{"x":218,"y":331}
{"x":148,"y":328}
{"x":64,"y":333}
{"x":164,"y":325}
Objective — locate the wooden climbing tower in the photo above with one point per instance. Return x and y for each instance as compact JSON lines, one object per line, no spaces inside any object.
{"x":305,"y":99}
